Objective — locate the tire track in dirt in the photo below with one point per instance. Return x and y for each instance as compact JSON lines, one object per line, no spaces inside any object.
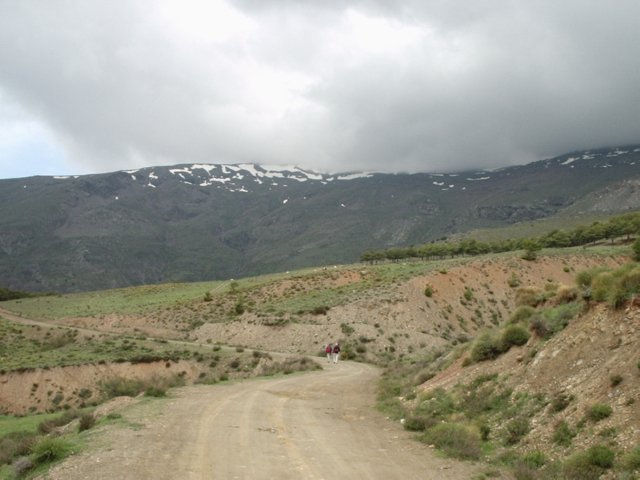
{"x":313,"y":426}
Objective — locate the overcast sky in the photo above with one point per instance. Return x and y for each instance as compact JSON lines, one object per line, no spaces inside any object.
{"x":426,"y":85}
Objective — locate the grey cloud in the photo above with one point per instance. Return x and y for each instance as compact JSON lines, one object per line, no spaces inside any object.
{"x":477,"y":84}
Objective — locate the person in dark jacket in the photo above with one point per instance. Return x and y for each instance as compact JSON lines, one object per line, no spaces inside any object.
{"x":336,"y":352}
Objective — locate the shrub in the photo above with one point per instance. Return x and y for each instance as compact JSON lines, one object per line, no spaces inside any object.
{"x":155,"y":391}
{"x":87,"y":421}
{"x":585,"y":278}
{"x":636,"y":250}
{"x":560,"y":401}
{"x":418,"y":424}
{"x":486,"y":347}
{"x":535,"y":459}
{"x":514,"y":335}
{"x":626,"y":285}
{"x":346,"y":329}
{"x":615,"y":380}
{"x":631,"y":460}
{"x":22,"y":465}
{"x":16,"y":444}
{"x":513,"y":281}
{"x":121,"y":387}
{"x":51,"y":449}
{"x":566,"y":294}
{"x":530,"y":296}
{"x":548,"y":322}
{"x":454,"y":439}
{"x":320,"y":310}
{"x":468,"y":294}
{"x":47,"y":426}
{"x":562,"y":434}
{"x":599,"y":411}
{"x":515,"y":429}
{"x":521,"y":314}
{"x":579,"y":467}
{"x":601,"y":285}
{"x":600,"y":456}
{"x":428,"y":291}
{"x":539,"y":327}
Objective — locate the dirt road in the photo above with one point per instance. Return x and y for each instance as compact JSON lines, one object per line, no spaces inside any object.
{"x":314,"y":426}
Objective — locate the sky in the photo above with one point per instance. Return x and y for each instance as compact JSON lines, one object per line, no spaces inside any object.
{"x":331,"y":86}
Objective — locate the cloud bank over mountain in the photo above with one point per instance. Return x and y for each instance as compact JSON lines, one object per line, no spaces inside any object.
{"x":329,"y":86}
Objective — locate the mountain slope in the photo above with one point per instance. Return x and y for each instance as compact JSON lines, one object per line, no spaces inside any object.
{"x":193,"y":222}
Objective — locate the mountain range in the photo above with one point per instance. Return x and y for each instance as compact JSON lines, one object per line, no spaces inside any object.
{"x":194,"y":222}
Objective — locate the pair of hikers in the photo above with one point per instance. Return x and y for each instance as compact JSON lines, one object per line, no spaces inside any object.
{"x":333,"y":352}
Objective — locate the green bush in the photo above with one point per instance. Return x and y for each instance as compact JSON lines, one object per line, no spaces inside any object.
{"x":521,"y":314}
{"x":601,"y":285}
{"x":121,"y":387}
{"x":16,"y":444}
{"x":631,"y":460}
{"x":549,"y":321}
{"x":418,"y":424}
{"x":530,"y":296}
{"x":155,"y":391}
{"x":514,"y":335}
{"x":486,"y":347}
{"x":346,"y":329}
{"x":515,"y":430}
{"x":428,"y":291}
{"x":585,"y":277}
{"x":560,"y":401}
{"x":615,"y":380}
{"x":636,"y":250}
{"x":562,"y":434}
{"x":454,"y":439}
{"x":599,"y":411}
{"x":87,"y":421}
{"x":51,"y":449}
{"x":600,"y":456}
{"x":535,"y":459}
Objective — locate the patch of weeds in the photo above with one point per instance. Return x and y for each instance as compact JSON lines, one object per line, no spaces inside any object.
{"x":615,"y":380}
{"x":514,"y":335}
{"x":454,"y":439}
{"x":86,"y":421}
{"x":516,"y":429}
{"x":514,"y":281}
{"x":51,"y":449}
{"x":521,"y":314}
{"x":631,"y":460}
{"x":346,"y":329}
{"x":562,"y":434}
{"x":599,"y":411}
{"x":560,"y":401}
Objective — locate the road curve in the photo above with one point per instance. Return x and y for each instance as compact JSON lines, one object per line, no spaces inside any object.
{"x":317,"y":425}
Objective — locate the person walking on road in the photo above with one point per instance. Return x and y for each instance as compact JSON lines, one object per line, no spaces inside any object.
{"x":336,"y":352}
{"x":328,"y":350}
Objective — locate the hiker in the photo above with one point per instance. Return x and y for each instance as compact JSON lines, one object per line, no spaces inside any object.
{"x":336,"y":352}
{"x":328,"y":350}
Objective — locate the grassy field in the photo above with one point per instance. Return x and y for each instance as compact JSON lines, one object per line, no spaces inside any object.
{"x":26,"y":346}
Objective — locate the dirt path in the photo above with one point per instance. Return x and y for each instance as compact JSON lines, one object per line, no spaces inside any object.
{"x":313,"y":426}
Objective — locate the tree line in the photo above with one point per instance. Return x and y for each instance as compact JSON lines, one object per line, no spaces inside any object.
{"x":626,"y":225}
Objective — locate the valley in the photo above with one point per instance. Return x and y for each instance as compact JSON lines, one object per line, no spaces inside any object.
{"x":418,"y":321}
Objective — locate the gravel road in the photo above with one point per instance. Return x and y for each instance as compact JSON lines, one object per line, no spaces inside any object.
{"x":317,"y":425}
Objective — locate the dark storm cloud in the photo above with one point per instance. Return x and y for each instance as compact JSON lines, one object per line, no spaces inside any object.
{"x":395,"y":86}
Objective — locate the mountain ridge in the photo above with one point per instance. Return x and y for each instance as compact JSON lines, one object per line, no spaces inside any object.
{"x":190,"y":222}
